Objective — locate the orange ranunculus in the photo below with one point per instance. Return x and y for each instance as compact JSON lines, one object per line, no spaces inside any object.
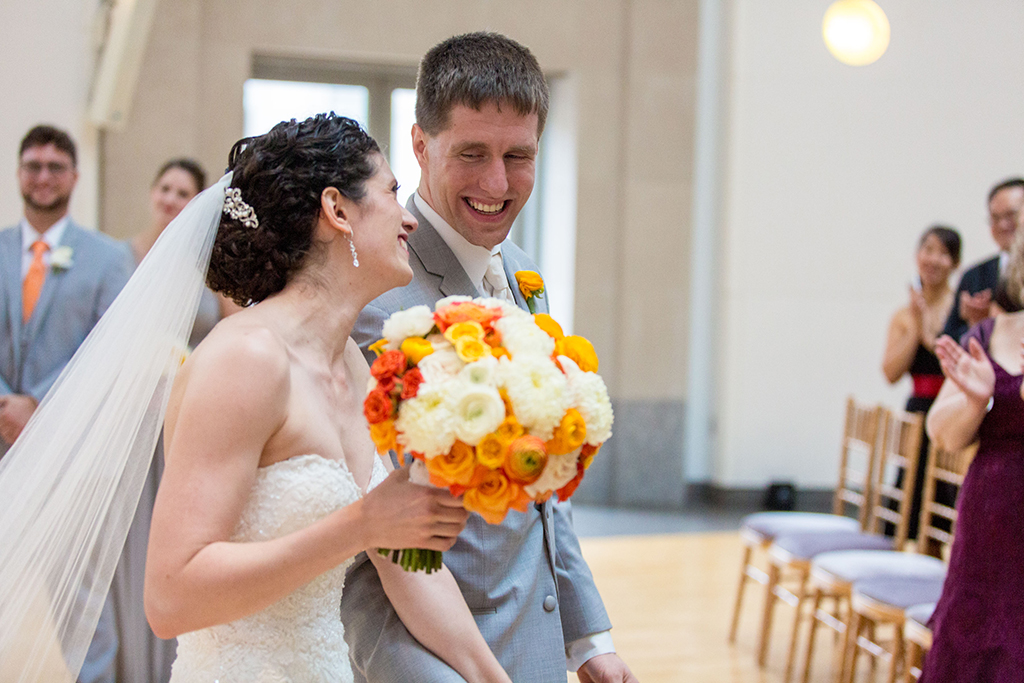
{"x":454,"y":467}
{"x":499,"y":351}
{"x":416,"y":349}
{"x":548,"y":324}
{"x":467,"y":328}
{"x":389,"y":364}
{"x":471,"y":350}
{"x":378,"y":346}
{"x":565,"y":493}
{"x":378,"y":406}
{"x":530,"y":283}
{"x":569,"y":435}
{"x":462,"y":311}
{"x":411,"y":381}
{"x":580,"y":350}
{"x":384,"y":436}
{"x":492,"y":337}
{"x":492,"y":497}
{"x":526,"y":460}
{"x":509,"y":430}
{"x":491,"y":451}
{"x":587,"y":454}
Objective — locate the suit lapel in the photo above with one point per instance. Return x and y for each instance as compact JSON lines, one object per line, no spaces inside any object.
{"x":51,"y":285}
{"x":510,"y":273}
{"x":437,"y":257}
{"x":11,"y":264}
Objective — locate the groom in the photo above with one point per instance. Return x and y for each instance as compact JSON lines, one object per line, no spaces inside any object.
{"x":481,"y":101}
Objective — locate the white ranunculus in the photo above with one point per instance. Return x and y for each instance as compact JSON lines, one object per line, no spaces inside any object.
{"x":481,"y":371}
{"x":477,"y":411}
{"x":412,"y":322}
{"x":538,"y":391}
{"x":589,"y":395}
{"x":558,"y":472}
{"x":425,"y":423}
{"x":442,"y":365}
{"x":520,"y":335}
{"x":449,"y":300}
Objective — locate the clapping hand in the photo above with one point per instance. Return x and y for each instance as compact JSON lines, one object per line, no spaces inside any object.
{"x":15,"y":411}
{"x":975,"y":307}
{"x":970,"y":370}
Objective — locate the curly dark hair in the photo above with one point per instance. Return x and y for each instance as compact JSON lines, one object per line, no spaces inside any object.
{"x":281,"y":175}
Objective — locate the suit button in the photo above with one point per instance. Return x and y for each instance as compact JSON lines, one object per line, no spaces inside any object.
{"x":550,"y":603}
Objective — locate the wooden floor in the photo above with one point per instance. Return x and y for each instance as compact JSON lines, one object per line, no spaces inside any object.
{"x":670,"y":599}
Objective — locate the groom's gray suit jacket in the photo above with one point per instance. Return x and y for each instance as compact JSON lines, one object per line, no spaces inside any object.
{"x":34,"y":353}
{"x":525,"y":580}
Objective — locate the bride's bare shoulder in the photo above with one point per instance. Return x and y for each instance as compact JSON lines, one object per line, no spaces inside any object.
{"x":241,"y":344}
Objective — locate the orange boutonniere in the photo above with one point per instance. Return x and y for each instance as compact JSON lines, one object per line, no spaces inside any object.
{"x":531,"y":285}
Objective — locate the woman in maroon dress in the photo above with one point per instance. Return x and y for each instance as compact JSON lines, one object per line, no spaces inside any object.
{"x":978,"y":624}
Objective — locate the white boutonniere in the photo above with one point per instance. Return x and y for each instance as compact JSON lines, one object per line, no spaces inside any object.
{"x":61,"y":259}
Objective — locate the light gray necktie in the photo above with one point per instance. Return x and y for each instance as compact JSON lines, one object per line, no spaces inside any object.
{"x":495,"y":279}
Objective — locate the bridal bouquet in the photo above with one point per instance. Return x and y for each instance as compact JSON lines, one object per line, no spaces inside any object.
{"x":494,"y":404}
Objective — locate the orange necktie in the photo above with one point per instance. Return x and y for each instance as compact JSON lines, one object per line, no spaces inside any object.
{"x":34,"y":278}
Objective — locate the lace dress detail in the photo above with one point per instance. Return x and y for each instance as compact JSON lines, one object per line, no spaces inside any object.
{"x":300,"y":638}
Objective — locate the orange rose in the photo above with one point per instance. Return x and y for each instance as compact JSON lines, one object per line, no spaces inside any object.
{"x":378,"y":406}
{"x":463,"y":311}
{"x":492,"y":497}
{"x":389,"y":364}
{"x":416,"y":349}
{"x":580,"y":350}
{"x":384,"y":436}
{"x":526,"y":460}
{"x":454,"y":467}
{"x":569,"y":435}
{"x":491,"y":451}
{"x":548,"y":324}
{"x":411,"y":381}
{"x":492,"y":337}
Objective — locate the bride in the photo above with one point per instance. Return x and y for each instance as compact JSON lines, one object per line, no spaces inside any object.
{"x":271,"y":484}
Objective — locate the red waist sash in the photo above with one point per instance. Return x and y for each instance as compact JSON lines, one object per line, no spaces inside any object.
{"x":927,"y":386}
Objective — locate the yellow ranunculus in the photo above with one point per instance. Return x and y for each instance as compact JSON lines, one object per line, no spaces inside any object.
{"x":548,"y":324}
{"x":454,"y":467}
{"x":509,"y":430}
{"x":569,"y":435}
{"x":491,"y":451}
{"x":416,"y":349}
{"x":468,"y":329}
{"x":580,"y":350}
{"x":530,"y":283}
{"x":471,"y":350}
{"x":378,"y":346}
{"x":384,"y":436}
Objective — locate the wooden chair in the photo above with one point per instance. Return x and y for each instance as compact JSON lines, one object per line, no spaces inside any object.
{"x":887,"y":600}
{"x":918,"y":639}
{"x":901,"y":440}
{"x":857,"y":456}
{"x":834,"y":574}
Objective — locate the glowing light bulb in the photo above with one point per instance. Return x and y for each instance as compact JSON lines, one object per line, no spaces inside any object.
{"x":856,"y":32}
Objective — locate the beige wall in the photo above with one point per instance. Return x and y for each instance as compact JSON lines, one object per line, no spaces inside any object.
{"x":47,"y":57}
{"x":833,"y":173}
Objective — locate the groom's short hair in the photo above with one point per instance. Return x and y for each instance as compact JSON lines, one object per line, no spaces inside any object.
{"x":474,"y":69}
{"x":43,"y":135}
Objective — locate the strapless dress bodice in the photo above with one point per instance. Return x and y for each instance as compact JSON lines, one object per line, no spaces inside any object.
{"x":300,"y":638}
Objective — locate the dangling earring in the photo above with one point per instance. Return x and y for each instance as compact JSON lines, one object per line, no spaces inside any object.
{"x":352,"y":246}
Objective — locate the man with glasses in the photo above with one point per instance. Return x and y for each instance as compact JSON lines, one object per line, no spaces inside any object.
{"x":56,"y":280}
{"x":977,"y":287}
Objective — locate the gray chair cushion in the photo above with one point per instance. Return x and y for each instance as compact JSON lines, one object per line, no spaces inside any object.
{"x":857,"y":565}
{"x":900,"y":591}
{"x":772,"y":524}
{"x":922,"y":614}
{"x":808,"y":545}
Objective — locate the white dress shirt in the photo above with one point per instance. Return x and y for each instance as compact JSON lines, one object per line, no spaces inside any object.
{"x":29,"y":235}
{"x":474,"y":260}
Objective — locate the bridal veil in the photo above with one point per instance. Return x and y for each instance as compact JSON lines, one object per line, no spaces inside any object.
{"x":70,"y":484}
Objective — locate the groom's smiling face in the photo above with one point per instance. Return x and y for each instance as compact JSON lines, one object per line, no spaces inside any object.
{"x":478,"y":172}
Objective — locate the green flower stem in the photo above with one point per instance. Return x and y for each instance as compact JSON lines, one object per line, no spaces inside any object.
{"x":531,"y":305}
{"x":414,"y":559}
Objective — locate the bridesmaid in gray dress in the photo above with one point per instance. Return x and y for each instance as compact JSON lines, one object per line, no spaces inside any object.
{"x":142,"y":657}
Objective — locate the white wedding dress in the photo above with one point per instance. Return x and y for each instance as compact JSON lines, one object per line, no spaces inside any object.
{"x":300,"y":638}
